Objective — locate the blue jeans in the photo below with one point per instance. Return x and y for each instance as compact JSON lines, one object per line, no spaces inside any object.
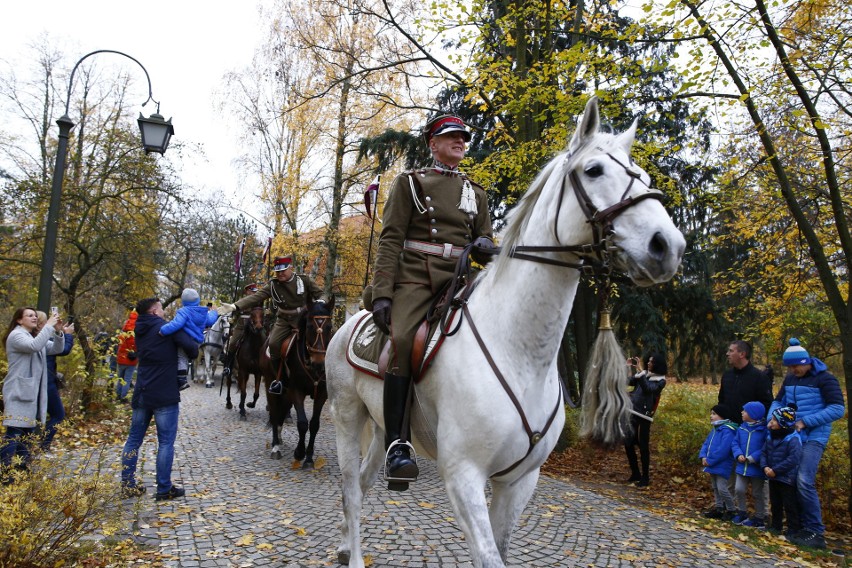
{"x":166,"y":419}
{"x":810,"y":510}
{"x":13,"y":445}
{"x":124,"y":381}
{"x":55,"y":414}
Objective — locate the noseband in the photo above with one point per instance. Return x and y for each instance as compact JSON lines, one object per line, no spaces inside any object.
{"x":320,"y":342}
{"x":601,"y":246}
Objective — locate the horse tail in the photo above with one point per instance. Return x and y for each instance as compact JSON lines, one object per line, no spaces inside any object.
{"x":605,"y":416}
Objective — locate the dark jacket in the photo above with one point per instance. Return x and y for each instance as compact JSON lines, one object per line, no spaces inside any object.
{"x":783,"y":456}
{"x":749,"y":443}
{"x":717,"y":448}
{"x":818,"y":399}
{"x":156,"y":375}
{"x":51,"y":359}
{"x":740,"y":386}
{"x":646,"y":392}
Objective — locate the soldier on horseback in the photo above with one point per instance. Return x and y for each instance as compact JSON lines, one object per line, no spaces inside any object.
{"x":289,"y":293}
{"x":238,"y":326}
{"x":429,"y":217}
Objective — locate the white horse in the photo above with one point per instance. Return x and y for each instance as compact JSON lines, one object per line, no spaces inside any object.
{"x":463,"y":414}
{"x":211,"y":348}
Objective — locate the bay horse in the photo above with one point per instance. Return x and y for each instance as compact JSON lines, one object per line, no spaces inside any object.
{"x":489,"y":408}
{"x":247,"y":361}
{"x":210,"y":350}
{"x":306,"y":365}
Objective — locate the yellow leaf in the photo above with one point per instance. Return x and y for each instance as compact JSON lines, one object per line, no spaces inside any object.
{"x":264,"y":546}
{"x":426,"y":505}
{"x":246,"y":540}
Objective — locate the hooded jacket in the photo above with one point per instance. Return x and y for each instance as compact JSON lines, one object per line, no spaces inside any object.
{"x":748,"y":442}
{"x":192,"y":318}
{"x":818,"y":400}
{"x":783,"y":456}
{"x":156,"y":375}
{"x":717,"y":448}
{"x":127,"y":342}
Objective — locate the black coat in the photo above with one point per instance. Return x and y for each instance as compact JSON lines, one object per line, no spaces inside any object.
{"x":156,"y":373}
{"x":646,"y":392}
{"x":740,"y":386}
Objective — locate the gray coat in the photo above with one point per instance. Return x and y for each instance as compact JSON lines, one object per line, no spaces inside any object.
{"x":25,"y":386}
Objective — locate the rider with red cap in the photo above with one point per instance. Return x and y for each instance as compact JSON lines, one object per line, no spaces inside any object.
{"x":289,"y":293}
{"x":429,"y":217}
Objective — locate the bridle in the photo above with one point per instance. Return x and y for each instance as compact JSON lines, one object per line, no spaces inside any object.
{"x":320,"y":343}
{"x":597,"y":254}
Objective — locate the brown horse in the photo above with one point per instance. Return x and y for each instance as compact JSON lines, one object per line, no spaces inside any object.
{"x":247,"y":363}
{"x":306,"y":377}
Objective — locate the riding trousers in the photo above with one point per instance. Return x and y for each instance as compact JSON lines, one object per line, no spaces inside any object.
{"x":410,"y":304}
{"x":284,"y":327}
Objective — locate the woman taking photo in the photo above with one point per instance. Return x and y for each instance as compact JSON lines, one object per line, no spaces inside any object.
{"x":647,"y":386}
{"x":25,"y":386}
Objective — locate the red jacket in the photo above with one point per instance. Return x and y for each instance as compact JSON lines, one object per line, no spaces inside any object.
{"x":127,"y":342}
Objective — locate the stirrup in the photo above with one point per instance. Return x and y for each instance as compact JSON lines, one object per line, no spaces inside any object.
{"x":276,"y":387}
{"x":412,"y":456}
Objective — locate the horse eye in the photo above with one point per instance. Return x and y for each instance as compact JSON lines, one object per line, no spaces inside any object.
{"x":593,"y":171}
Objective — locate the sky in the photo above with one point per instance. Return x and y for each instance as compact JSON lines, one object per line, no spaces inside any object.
{"x":196,"y":43}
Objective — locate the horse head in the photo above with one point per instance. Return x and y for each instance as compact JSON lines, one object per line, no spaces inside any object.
{"x":318,"y":330}
{"x":255,"y":323}
{"x":626,"y":226}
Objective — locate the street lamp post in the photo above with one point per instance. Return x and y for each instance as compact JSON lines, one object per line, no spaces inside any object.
{"x":156,"y":134}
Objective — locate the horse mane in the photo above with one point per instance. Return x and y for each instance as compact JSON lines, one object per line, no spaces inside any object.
{"x":519,"y":217}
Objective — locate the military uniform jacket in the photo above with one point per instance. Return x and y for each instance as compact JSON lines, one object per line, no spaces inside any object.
{"x":287,"y":297}
{"x":440,"y":222}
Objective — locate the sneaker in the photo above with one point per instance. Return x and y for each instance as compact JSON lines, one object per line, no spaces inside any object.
{"x":808,"y":538}
{"x":740,"y":518}
{"x":183,"y":386}
{"x":728,"y":515}
{"x":754,"y":522}
{"x":172,"y":493}
{"x":130,"y":491}
{"x":714,"y":513}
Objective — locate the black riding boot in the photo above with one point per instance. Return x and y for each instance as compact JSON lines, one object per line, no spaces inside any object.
{"x":278,"y":385}
{"x":400,"y":469}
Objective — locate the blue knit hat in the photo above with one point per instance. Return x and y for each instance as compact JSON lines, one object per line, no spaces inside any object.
{"x":785,"y":416}
{"x":190,"y":297}
{"x":796,"y":354}
{"x":755,"y":410}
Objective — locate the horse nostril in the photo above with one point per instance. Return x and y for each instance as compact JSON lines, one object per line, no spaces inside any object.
{"x":658,"y":247}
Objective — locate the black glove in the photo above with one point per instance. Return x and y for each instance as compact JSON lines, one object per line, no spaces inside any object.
{"x":483,"y":250}
{"x":131,"y":355}
{"x":382,"y":314}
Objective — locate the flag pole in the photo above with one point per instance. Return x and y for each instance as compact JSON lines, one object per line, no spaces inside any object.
{"x":372,"y":210}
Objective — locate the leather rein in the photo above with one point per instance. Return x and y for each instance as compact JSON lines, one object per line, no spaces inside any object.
{"x":317,"y":347}
{"x":600,"y":250}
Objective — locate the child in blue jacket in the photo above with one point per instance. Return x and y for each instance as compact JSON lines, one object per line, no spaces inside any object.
{"x":780,"y":463}
{"x":193,"y":318}
{"x":747,"y":448}
{"x":718,"y":461}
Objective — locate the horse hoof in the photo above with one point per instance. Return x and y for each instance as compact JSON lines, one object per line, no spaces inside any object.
{"x":250,"y":404}
{"x":229,"y":406}
{"x":276,"y":455}
{"x":243,"y":418}
{"x":209,"y":385}
{"x":308,"y":464}
{"x":343,"y":557}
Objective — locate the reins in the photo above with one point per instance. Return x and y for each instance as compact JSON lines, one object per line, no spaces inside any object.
{"x":594,"y":261}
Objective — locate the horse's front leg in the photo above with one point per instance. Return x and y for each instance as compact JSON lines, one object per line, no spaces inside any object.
{"x":466,"y":490}
{"x":257,"y":377}
{"x":228,"y":404}
{"x":301,"y":425}
{"x":508,"y":501}
{"x":243,"y":382}
{"x":314,"y":428}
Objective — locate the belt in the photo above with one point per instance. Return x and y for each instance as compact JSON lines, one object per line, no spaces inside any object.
{"x":293,"y":312}
{"x":445,"y":250}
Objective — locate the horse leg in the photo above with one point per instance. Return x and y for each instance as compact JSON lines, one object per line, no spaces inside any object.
{"x":243,"y":381}
{"x":257,"y":377}
{"x":466,"y":490}
{"x":301,"y":425}
{"x":319,"y":402}
{"x":228,"y":404}
{"x":275,"y":403}
{"x":508,"y":501}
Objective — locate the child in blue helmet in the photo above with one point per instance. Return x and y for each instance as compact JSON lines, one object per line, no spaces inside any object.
{"x":747,"y":448}
{"x":193,"y":318}
{"x":780,"y":463}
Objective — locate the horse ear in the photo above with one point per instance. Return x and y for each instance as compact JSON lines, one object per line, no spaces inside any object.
{"x":626,"y":138}
{"x":589,"y":123}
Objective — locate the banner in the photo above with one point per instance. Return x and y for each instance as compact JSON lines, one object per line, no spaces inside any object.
{"x":238,"y":259}
{"x":266,"y":249}
{"x":371,"y":197}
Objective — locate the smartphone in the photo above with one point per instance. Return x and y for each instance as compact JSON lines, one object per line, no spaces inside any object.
{"x":54,"y":310}
{"x":70,"y":320}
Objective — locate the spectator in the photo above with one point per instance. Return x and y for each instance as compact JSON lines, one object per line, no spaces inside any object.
{"x":647,"y":386}
{"x":747,"y":448}
{"x":780,"y":463}
{"x":156,"y":396}
{"x":25,"y":385}
{"x":55,"y":408}
{"x":743,"y":382}
{"x":717,"y":459}
{"x":126,"y":357}
{"x":193,"y":318}
{"x":819,"y":401}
